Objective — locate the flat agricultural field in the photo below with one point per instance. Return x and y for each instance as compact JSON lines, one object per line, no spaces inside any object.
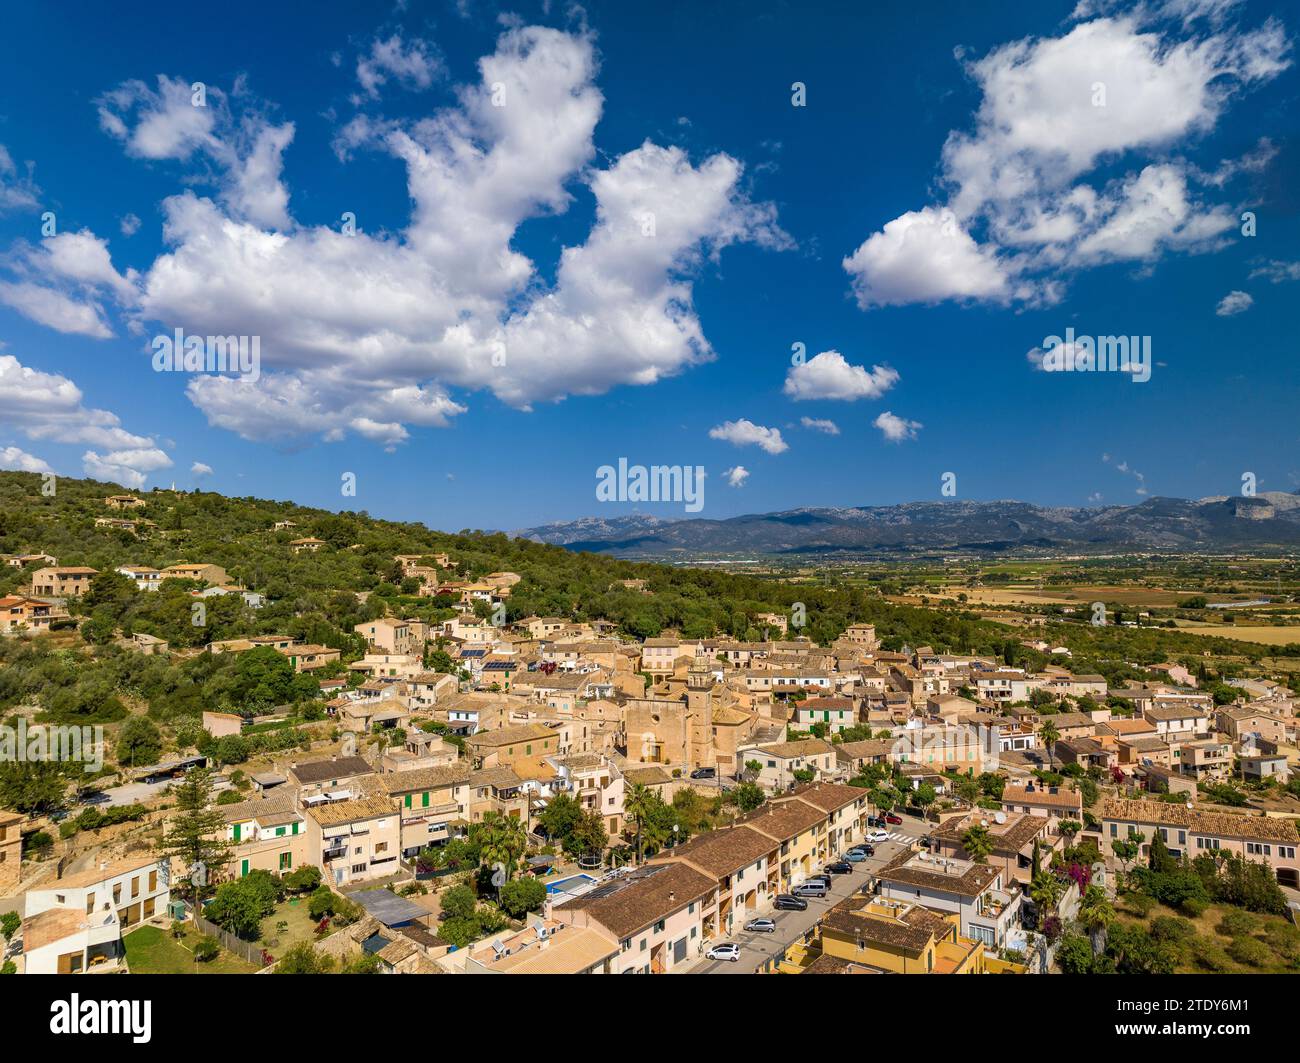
{"x":1046,"y":595}
{"x":1268,"y":636}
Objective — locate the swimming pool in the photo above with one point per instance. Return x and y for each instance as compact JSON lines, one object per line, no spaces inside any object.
{"x":570,"y":884}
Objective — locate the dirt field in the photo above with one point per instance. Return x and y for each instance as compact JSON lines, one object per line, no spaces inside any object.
{"x":1268,"y":636}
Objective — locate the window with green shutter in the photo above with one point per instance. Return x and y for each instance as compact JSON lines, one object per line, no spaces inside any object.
{"x":408,"y":800}
{"x":426,"y":799}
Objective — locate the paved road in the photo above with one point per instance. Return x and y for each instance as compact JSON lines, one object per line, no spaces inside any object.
{"x":757,"y":949}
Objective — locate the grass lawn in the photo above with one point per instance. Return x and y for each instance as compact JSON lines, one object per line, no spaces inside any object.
{"x":300,"y":927}
{"x":151,"y":950}
{"x":1206,"y":951}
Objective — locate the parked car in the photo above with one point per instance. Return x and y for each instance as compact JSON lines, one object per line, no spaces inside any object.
{"x":875,"y":821}
{"x":840,"y":867}
{"x":812,"y":888}
{"x":787,"y":902}
{"x":878,"y":835}
{"x":891,"y":818}
{"x":761,"y":926}
{"x":726,"y":951}
{"x":866,"y":848}
{"x":855,"y":856}
{"x":704,"y":773}
{"x":821,"y":876}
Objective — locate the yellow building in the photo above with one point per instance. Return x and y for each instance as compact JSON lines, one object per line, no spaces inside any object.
{"x":898,"y":938}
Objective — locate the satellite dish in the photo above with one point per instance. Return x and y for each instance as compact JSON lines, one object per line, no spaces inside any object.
{"x":999,"y":817}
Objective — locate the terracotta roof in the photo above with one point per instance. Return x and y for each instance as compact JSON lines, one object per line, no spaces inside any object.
{"x":650,"y":776}
{"x":809,"y":747}
{"x":784,"y":821}
{"x":55,"y":924}
{"x":313,"y":771}
{"x":505,"y":736}
{"x":404,"y":782}
{"x":649,"y":894}
{"x":826,"y":796}
{"x":908,"y":871}
{"x":1217,"y":823}
{"x":339,"y":812}
{"x":720,"y":852}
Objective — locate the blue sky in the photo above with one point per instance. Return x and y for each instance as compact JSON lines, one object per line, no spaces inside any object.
{"x":962,"y":182}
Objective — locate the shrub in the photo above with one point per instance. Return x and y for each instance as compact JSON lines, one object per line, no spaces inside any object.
{"x":1284,"y":939}
{"x":303,"y":959}
{"x":1139,"y":904}
{"x":206,"y":949}
{"x":1251,"y":952}
{"x":323,"y":902}
{"x":1235,"y":924}
{"x":522,"y":895}
{"x":304,"y":880}
{"x":1210,"y":955}
{"x":1172,"y":928}
{"x":1074,"y":954}
{"x":1194,"y":906}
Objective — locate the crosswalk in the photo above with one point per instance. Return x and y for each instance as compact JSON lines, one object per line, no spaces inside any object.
{"x":899,"y":836}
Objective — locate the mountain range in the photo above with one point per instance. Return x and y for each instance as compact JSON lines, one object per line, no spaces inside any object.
{"x":1268,"y":522}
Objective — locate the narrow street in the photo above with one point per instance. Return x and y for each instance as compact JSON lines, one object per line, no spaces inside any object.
{"x":756,"y":949}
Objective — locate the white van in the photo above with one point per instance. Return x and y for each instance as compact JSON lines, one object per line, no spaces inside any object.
{"x":811,"y":889}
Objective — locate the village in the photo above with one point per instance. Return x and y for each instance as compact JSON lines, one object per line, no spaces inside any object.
{"x":543,"y":795}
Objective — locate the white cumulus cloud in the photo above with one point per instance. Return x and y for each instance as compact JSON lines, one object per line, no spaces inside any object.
{"x":744,"y":433}
{"x":830,"y":376}
{"x":896,"y":429}
{"x":1235,"y":302}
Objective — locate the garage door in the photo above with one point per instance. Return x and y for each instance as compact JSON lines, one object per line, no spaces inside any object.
{"x":679,"y":950}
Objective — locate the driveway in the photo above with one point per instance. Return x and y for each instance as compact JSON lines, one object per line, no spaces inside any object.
{"x":757,"y":949}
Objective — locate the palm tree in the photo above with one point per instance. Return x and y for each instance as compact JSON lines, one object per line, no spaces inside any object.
{"x":977,"y":843}
{"x":636,"y":805}
{"x":1045,"y":891}
{"x":1095,"y":915}
{"x":1049,"y":734}
{"x":503,"y":843}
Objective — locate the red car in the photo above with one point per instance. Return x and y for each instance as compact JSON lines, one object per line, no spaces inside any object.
{"x":891,"y":818}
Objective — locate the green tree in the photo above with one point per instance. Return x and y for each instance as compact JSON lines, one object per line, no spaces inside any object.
{"x":1158,"y":857}
{"x":196,"y":833}
{"x":522,"y":896}
{"x":139,"y":742}
{"x":240,"y":905}
{"x":1095,"y":915}
{"x":1045,"y":891}
{"x":32,"y":786}
{"x":748,"y":796}
{"x":1074,"y":954}
{"x":502,"y":844}
{"x":559,"y":817}
{"x":977,"y":842}
{"x":302,"y":958}
{"x":1127,"y":849}
{"x":1050,"y":733}
{"x":637,"y":804}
